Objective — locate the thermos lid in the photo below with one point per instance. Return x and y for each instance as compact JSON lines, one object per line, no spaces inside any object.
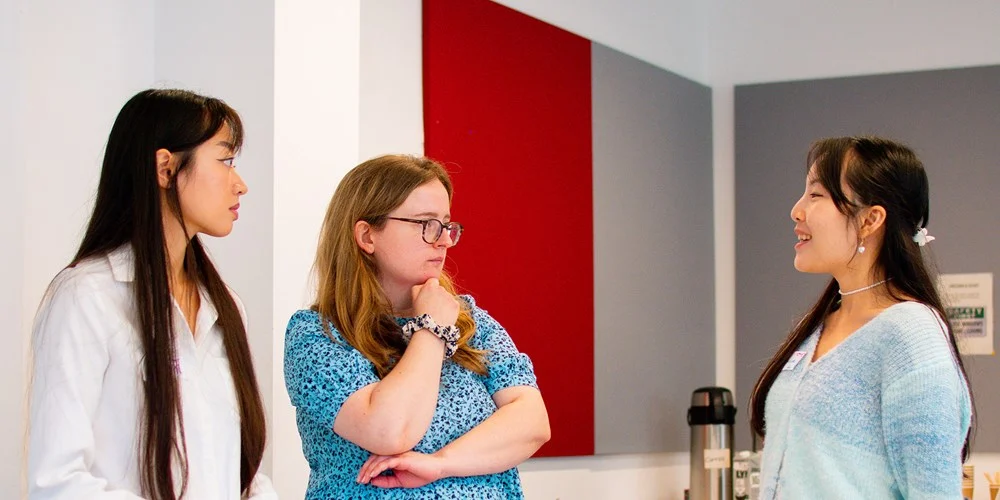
{"x":712,"y":396}
{"x":711,"y":405}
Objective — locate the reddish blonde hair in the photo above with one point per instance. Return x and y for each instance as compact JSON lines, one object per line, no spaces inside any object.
{"x":349,"y":293}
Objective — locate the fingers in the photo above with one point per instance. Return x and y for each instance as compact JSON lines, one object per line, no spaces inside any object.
{"x":365,"y":474}
{"x":430,"y":283}
{"x":386,"y":482}
{"x":375,"y":465}
{"x":380,"y":467}
{"x":433,"y":299}
{"x":364,"y":467}
{"x":415,"y":292}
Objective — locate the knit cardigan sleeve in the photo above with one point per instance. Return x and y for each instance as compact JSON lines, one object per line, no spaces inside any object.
{"x":925,"y":412}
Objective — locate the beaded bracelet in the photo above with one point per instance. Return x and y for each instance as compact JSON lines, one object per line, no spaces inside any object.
{"x":449,"y":334}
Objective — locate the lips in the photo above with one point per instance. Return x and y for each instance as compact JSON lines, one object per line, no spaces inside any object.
{"x":803,"y":237}
{"x":235,"y":210}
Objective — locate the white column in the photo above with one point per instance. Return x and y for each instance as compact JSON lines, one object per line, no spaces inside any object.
{"x":316,"y":137}
{"x":724,"y":214}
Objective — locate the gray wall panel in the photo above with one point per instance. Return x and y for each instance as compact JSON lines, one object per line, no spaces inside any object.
{"x":653,"y":250}
{"x":951,"y":118}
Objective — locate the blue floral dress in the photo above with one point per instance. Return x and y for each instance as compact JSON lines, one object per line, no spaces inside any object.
{"x":321,"y":374}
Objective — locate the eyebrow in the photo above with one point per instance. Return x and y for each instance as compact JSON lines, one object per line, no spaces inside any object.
{"x":228,"y":145}
{"x":433,"y":215}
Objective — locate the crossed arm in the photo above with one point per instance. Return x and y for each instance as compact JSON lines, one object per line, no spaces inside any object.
{"x":508,"y":437}
{"x":389,"y":417}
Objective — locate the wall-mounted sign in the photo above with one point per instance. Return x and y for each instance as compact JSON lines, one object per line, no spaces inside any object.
{"x":968,"y":301}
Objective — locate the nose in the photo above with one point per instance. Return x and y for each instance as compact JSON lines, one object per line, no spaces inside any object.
{"x":797,"y":213}
{"x":445,"y":239}
{"x":240,"y":186}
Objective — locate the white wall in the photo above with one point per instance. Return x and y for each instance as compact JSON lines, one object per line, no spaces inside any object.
{"x":11,"y":255}
{"x":392,"y":100}
{"x":71,"y":66}
{"x":666,"y":33}
{"x":775,"y":40}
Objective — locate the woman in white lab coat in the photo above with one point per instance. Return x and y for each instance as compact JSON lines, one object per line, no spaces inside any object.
{"x":142,"y":381}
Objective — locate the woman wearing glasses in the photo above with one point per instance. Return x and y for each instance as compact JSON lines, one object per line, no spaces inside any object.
{"x":403,"y":389}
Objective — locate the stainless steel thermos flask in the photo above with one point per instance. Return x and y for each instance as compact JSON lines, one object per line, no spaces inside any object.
{"x":711,"y":418}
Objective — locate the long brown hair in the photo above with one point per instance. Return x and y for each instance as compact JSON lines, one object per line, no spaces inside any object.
{"x":349,"y":293}
{"x":879,"y":172}
{"x":128,"y":212}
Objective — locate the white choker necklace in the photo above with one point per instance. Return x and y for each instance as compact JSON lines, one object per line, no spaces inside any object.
{"x":869,"y":287}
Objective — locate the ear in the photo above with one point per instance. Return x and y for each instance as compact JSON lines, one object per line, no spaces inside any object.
{"x":873,"y":221}
{"x":364,"y":236}
{"x":164,"y":168}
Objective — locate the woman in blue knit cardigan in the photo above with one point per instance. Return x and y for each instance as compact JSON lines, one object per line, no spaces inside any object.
{"x":868,"y":396}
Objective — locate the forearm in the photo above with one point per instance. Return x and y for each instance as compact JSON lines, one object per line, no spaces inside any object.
{"x":504,"y":440}
{"x":397,"y":410}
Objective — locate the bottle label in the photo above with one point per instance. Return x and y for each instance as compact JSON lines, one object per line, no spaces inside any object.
{"x":717,"y":458}
{"x":741,"y":476}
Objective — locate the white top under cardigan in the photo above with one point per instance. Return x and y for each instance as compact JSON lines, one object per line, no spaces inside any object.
{"x":86,"y":392}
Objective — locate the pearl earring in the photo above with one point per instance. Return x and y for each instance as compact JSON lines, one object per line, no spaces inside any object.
{"x":861,"y":247}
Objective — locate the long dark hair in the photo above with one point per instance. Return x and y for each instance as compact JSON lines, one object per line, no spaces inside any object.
{"x":128,"y":212}
{"x":879,"y":172}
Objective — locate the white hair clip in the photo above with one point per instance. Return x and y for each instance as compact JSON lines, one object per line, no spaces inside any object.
{"x":922,"y":238}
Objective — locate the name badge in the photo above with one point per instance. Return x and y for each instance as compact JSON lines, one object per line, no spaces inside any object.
{"x":794,"y":360}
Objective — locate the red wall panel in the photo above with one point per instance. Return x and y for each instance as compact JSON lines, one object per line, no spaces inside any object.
{"x":507,"y":107}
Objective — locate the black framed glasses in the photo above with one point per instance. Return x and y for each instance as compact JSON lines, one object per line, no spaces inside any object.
{"x":433,"y":229}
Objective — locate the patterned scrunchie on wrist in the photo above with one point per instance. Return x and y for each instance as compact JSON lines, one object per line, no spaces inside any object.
{"x":449,"y":334}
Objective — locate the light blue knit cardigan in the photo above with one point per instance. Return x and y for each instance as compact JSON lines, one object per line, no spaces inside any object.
{"x":883,"y":414}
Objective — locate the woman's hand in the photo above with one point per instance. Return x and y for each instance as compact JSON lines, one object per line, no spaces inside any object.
{"x":409,"y":470}
{"x":431,"y":298}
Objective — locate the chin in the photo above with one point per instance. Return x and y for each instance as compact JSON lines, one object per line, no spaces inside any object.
{"x":429,"y":275}
{"x":805,"y":268}
{"x":220,"y":232}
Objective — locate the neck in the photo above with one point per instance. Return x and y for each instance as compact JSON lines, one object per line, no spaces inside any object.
{"x":176,"y":245}
{"x":401,"y":299}
{"x":862,"y":295}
